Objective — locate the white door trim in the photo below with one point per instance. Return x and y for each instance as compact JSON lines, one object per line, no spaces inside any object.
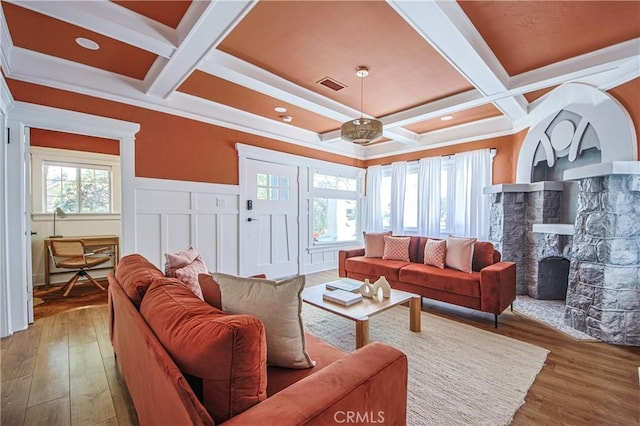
{"x":24,"y":115}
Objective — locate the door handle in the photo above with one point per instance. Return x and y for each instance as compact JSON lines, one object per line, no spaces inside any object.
{"x":34,"y":233}
{"x":251,"y":219}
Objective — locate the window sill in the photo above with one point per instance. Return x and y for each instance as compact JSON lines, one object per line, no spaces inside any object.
{"x":48,"y":217}
{"x":334,"y":246}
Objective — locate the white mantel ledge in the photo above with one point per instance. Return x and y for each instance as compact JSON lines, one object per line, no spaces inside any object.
{"x":603,"y":169}
{"x":554,"y":228}
{"x":524,"y":187}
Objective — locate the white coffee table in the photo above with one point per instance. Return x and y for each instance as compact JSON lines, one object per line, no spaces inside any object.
{"x":360,"y":312}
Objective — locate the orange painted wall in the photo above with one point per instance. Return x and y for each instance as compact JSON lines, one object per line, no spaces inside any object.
{"x":504,"y":163}
{"x":628,"y":94}
{"x":171,"y":147}
{"x":74,"y":142}
{"x":167,"y":146}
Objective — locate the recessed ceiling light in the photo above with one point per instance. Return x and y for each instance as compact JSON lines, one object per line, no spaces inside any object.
{"x":286,"y":118}
{"x":87,"y":44}
{"x":446,"y":118}
{"x":280,"y":109}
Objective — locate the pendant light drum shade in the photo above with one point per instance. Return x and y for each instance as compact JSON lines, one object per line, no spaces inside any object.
{"x":361,"y":130}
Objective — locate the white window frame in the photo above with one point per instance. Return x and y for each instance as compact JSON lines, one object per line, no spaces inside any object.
{"x":54,"y":156}
{"x":338,"y":194}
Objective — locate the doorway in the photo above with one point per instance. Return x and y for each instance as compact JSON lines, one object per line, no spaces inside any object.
{"x":81,"y":176}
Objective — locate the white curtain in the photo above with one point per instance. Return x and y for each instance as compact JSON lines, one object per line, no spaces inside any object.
{"x":429,"y":197}
{"x":373,"y":204}
{"x":473,"y":172}
{"x":398,"y":184}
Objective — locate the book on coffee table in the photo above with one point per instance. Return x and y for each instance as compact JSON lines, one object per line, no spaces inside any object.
{"x":345,"y":284}
{"x":342,"y":297}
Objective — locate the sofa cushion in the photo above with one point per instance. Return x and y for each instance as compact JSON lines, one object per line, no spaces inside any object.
{"x":482,"y":255}
{"x":448,"y":280}
{"x":322,"y":353}
{"x":374,"y":267}
{"x":435,"y":252}
{"x":396,"y":248}
{"x":278,"y":304}
{"x":135,"y":274}
{"x":459,"y":253}
{"x":228,"y":352}
{"x":374,"y":243}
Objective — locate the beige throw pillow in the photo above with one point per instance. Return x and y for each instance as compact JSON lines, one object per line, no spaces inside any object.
{"x":278,"y":304}
{"x":459,"y":253}
{"x":374,"y":243}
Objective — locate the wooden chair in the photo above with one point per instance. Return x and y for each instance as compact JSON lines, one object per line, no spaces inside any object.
{"x":73,"y":254}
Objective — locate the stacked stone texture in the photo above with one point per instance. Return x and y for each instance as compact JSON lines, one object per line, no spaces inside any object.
{"x":512,"y":217}
{"x":603,"y":298}
{"x":506,"y":231}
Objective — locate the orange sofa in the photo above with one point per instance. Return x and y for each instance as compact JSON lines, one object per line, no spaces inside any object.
{"x":490,"y":287}
{"x":186,"y":362}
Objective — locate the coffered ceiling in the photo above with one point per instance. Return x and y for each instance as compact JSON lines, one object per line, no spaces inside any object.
{"x":230,"y":63}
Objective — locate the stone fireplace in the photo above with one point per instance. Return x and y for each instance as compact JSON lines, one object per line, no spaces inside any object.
{"x":571,"y":223}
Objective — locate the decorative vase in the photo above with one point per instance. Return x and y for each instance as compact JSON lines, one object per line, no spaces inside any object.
{"x":366,"y":289}
{"x":382,"y":285}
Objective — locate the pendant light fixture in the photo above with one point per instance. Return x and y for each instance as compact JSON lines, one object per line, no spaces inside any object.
{"x":362,"y":130}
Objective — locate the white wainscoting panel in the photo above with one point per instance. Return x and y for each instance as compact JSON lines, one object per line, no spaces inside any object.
{"x":172,"y":215}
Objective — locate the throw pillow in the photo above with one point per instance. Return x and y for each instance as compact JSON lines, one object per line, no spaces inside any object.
{"x":459,"y":253}
{"x":189,"y":275}
{"x":396,"y":248}
{"x":178,"y":260}
{"x":211,"y":289}
{"x":374,"y":243}
{"x":278,"y":304}
{"x":435,"y":252}
{"x":482,"y":255}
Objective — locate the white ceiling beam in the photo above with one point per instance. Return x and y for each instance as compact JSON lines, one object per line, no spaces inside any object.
{"x":215,"y":21}
{"x":111,"y":20}
{"x":445,"y":26}
{"x":588,"y":64}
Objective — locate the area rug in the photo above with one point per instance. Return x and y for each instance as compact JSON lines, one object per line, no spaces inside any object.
{"x":458,"y":375}
{"x":548,"y":312}
{"x":51,"y":301}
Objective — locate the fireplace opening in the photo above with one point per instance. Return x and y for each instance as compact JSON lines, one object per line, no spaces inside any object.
{"x":553,"y":278}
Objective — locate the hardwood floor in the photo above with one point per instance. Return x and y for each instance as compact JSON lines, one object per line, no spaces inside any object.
{"x":61,"y":371}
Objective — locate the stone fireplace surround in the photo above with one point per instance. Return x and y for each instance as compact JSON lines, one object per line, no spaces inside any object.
{"x":578,"y":134}
{"x":603,"y":245}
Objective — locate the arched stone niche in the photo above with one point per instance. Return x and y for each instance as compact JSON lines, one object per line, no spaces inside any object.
{"x":572,"y":119}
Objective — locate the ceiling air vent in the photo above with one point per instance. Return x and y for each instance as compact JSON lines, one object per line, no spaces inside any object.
{"x":331,"y":84}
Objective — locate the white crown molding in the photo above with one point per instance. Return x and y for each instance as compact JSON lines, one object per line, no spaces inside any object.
{"x":6,"y":44}
{"x":48,"y":118}
{"x":6,"y":99}
{"x":111,"y":20}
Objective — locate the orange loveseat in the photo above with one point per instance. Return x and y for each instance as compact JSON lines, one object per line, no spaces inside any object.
{"x":490,"y":287}
{"x":186,"y":362}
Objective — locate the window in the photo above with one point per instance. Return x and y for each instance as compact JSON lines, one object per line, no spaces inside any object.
{"x":77,"y":188}
{"x":272,"y":187}
{"x":410,"y":214}
{"x":335,"y":208}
